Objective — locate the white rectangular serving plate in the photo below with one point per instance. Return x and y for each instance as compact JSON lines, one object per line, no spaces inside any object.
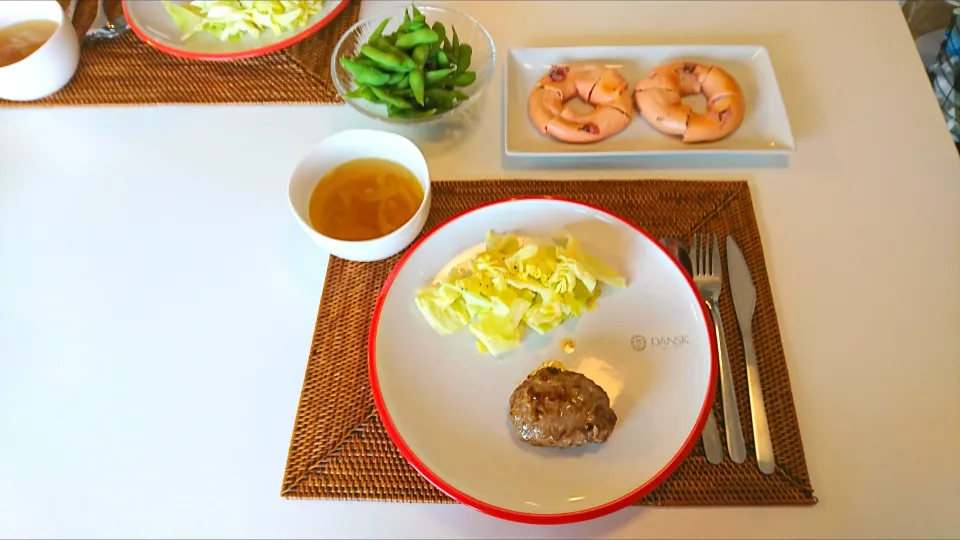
{"x":765,"y":129}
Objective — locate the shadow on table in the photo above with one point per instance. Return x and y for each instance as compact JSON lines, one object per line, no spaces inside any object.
{"x":720,"y":161}
{"x":464,"y":518}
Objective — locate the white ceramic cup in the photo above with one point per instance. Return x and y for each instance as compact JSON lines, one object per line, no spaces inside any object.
{"x":51,"y":66}
{"x":346,"y":146}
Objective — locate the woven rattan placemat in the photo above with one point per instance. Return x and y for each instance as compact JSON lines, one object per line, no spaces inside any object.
{"x":340,"y":450}
{"x":127,"y":71}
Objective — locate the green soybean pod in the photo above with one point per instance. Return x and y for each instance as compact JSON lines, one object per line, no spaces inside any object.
{"x":406,"y":16}
{"x":410,"y":113}
{"x":448,"y":47}
{"x":417,"y":16}
{"x":438,"y":97}
{"x":442,"y":60}
{"x":406,"y":63}
{"x":395,"y":78}
{"x":444,"y":83}
{"x":435,"y":76}
{"x":423,"y":35}
{"x":456,"y":43}
{"x":385,"y":59}
{"x":364,"y":74}
{"x":465,"y":79}
{"x":463,"y":59}
{"x":416,"y":84}
{"x":356,"y":92}
{"x":403,"y":83}
{"x":385,"y":97}
{"x":420,"y":53}
{"x":440,"y":30}
{"x":375,"y":36}
{"x":365,"y":61}
{"x":450,"y":95}
{"x":369,"y":95}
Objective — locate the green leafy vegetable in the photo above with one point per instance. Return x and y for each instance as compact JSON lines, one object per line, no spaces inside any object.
{"x":230,"y":20}
{"x":510,"y":286}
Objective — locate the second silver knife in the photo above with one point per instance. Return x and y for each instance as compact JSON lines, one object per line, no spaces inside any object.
{"x":744,"y":296}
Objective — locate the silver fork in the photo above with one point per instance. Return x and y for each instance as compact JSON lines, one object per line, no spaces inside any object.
{"x":708,"y":276}
{"x":108,"y":23}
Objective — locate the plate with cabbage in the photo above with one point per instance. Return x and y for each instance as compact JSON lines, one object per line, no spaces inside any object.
{"x":227,"y":29}
{"x":506,"y":290}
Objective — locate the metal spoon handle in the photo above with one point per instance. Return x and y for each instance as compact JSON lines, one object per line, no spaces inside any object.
{"x":761,"y":429}
{"x":731,"y":411}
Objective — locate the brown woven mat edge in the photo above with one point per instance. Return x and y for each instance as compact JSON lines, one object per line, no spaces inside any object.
{"x":747,"y":214}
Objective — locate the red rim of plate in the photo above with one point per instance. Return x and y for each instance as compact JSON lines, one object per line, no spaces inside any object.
{"x":524,"y":517}
{"x":252,"y":53}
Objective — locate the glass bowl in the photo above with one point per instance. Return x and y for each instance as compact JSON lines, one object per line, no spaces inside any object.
{"x":470,"y":31}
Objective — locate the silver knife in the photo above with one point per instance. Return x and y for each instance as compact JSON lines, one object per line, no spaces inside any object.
{"x":745,"y":302}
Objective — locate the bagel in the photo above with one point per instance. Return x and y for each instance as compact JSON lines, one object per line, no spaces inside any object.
{"x":659,"y":97}
{"x":605,"y":88}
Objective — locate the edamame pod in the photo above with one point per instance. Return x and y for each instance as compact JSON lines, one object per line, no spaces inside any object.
{"x":417,"y":16}
{"x":416,"y":84}
{"x":385,"y":97}
{"x":442,"y":83}
{"x":463,"y":58}
{"x":440,"y":30}
{"x":420,"y":53}
{"x":375,"y":36}
{"x":406,"y":63}
{"x":404,"y":82}
{"x":440,"y":93}
{"x":369,"y":95}
{"x":409,"y":113}
{"x":456,"y":43}
{"x":465,"y":79}
{"x":356,"y":92}
{"x":442,"y":60}
{"x":443,"y":99}
{"x":385,"y":59}
{"x":448,"y":48}
{"x":434,"y":76}
{"x":396,"y":77}
{"x":411,"y":26}
{"x":411,"y":40}
{"x":364,"y":74}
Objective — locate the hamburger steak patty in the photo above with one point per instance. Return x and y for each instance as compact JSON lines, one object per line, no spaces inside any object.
{"x":563,"y":409}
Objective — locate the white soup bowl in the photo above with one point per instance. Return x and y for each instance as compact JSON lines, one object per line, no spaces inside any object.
{"x":51,"y":66}
{"x":349,"y":145}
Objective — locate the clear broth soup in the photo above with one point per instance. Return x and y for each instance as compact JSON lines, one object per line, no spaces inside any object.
{"x":22,"y":39}
{"x":364,"y":199}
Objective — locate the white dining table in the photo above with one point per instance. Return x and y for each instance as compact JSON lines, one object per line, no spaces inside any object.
{"x":158,"y":299}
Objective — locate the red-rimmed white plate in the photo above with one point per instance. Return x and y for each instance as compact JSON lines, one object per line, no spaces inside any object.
{"x":150,"y":21}
{"x":647,"y":345}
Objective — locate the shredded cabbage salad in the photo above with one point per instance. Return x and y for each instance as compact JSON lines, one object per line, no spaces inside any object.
{"x":510,"y":286}
{"x":230,"y":20}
